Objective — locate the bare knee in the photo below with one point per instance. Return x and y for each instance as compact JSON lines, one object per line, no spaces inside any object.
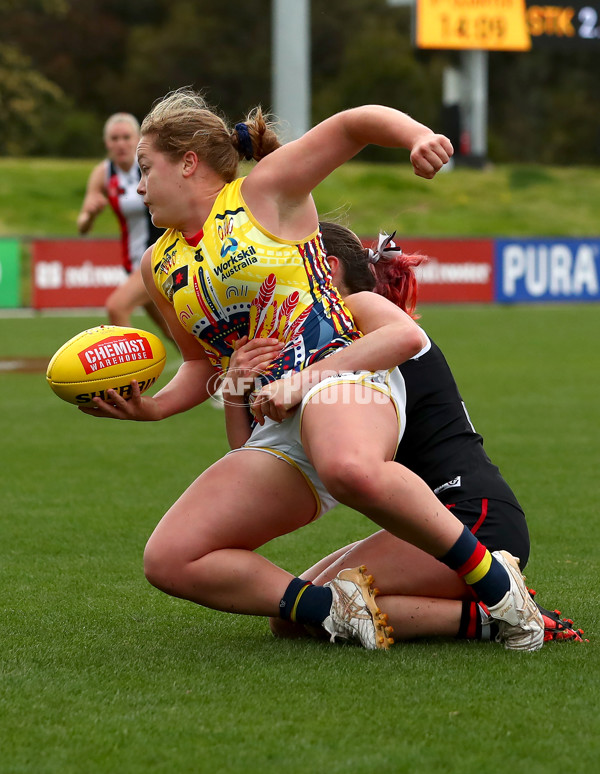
{"x":154,"y":568}
{"x":350,"y":480}
{"x":164,"y":568}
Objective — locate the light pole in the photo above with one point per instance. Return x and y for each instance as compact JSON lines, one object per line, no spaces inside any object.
{"x":290,"y":70}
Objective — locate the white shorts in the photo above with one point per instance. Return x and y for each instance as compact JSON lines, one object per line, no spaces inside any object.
{"x":283,"y":439}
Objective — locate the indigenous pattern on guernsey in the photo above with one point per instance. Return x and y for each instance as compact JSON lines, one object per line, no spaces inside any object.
{"x":237,"y":279}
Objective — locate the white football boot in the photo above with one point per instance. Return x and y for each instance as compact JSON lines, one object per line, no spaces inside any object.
{"x":354,"y":614}
{"x":518,"y":617}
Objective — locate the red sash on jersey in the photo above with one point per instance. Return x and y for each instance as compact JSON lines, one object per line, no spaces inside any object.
{"x":114,"y":192}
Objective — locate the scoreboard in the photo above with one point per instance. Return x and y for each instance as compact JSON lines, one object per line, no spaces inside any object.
{"x":493,"y":25}
{"x":506,"y":25}
{"x":564,"y":25}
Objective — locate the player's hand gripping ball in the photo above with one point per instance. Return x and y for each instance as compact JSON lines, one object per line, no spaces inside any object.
{"x":104,"y":358}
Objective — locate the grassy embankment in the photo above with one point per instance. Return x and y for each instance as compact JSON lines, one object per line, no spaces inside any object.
{"x":41,"y":197}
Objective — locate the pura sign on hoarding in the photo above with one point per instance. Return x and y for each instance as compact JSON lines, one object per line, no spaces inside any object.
{"x":547,"y":270}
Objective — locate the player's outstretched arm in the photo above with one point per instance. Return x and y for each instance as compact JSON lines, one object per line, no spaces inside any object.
{"x":290,"y":173}
{"x":278,"y":190}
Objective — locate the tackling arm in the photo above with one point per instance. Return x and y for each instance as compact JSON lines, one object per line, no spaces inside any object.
{"x":391,"y":337}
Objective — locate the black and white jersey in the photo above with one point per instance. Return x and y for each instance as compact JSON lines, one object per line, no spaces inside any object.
{"x":137,"y":230}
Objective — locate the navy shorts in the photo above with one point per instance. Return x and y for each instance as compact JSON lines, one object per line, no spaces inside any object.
{"x":496,"y":524}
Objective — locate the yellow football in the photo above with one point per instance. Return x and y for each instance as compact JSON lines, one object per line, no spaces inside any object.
{"x":103,"y":358}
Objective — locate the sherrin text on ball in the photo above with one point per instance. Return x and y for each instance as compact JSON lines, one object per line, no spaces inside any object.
{"x":103,"y":358}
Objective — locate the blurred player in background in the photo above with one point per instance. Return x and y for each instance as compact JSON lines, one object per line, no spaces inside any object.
{"x":114,"y":181}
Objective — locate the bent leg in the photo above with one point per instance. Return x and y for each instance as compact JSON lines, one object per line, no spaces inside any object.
{"x":421,"y":596}
{"x":410,"y":618}
{"x":399,"y":569}
{"x":203,"y":548}
{"x":352,"y":445}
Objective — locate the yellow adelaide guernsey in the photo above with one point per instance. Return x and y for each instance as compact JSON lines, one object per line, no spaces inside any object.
{"x":237,"y":279}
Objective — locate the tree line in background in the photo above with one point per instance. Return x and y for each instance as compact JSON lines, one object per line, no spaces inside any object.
{"x":65,"y":65}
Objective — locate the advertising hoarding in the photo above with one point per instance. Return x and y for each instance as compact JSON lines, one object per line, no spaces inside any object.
{"x":75,"y":272}
{"x":547,"y":270}
{"x":10,"y":269}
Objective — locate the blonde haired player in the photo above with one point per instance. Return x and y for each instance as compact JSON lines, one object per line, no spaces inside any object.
{"x":244,"y":257}
{"x":114,"y":182}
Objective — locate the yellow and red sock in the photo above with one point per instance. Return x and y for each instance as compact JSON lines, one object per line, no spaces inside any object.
{"x":478,"y":568}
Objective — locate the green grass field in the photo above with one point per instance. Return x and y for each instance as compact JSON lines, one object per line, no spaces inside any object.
{"x":101,"y":673}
